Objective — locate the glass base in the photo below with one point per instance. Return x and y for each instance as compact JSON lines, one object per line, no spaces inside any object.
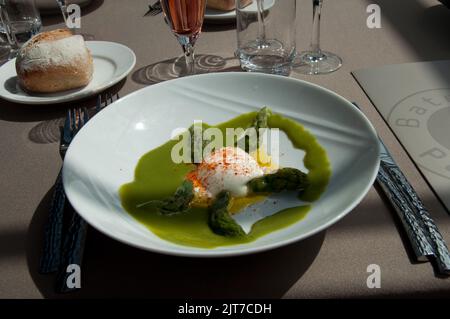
{"x":284,"y":71}
{"x":180,"y":68}
{"x":266,"y":57}
{"x":309,"y":62}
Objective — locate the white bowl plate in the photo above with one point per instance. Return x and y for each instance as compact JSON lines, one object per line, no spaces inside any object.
{"x":104,"y":154}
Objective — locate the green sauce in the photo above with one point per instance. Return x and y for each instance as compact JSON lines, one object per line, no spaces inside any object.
{"x":157,"y":176}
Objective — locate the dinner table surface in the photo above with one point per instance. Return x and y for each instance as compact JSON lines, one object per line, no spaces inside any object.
{"x":333,"y":263}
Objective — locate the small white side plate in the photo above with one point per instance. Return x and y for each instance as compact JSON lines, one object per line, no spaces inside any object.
{"x":112,"y":63}
{"x":219,"y":16}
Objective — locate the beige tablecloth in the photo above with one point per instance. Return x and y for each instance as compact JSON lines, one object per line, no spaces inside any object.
{"x":331,"y":264}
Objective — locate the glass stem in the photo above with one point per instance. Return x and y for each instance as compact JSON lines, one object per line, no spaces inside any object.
{"x":315,"y":41}
{"x":63,"y":6}
{"x":64,"y":14}
{"x":261,"y":23}
{"x":189,"y":57}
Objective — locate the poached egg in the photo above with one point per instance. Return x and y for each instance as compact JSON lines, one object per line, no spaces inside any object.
{"x":228,"y":168}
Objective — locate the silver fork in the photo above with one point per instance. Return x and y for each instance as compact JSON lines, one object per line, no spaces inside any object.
{"x":104,"y":101}
{"x":154,"y":9}
{"x":53,"y":239}
{"x":76,"y":235}
{"x":51,"y":257}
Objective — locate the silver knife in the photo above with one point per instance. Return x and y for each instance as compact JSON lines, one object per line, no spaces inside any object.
{"x":422,"y":231}
{"x":424,"y":236}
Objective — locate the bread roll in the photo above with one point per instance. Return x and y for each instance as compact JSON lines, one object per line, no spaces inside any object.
{"x":54,"y":61}
{"x":225,"y":5}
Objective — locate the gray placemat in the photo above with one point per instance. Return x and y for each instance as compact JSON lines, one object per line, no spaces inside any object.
{"x":414,"y":99}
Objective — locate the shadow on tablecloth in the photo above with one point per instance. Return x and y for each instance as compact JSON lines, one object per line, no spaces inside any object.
{"x":424,"y":29}
{"x":48,"y":132}
{"x":49,"y":118}
{"x":112,"y":269}
{"x":166,"y":70}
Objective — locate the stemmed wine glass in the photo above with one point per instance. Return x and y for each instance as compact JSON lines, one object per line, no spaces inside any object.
{"x":63,"y":6}
{"x":316,"y":61}
{"x":185,"y":17}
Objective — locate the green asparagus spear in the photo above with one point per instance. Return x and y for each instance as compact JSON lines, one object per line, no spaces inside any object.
{"x":285,"y":179}
{"x":198,"y":144}
{"x":262,"y":118}
{"x":290,"y":179}
{"x":220,"y":220}
{"x":178,"y":203}
{"x":260,"y":122}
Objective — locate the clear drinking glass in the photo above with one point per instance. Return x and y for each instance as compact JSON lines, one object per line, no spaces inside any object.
{"x":21,"y":21}
{"x":185,"y":18}
{"x":5,"y":41}
{"x":266,"y":35}
{"x":316,"y":61}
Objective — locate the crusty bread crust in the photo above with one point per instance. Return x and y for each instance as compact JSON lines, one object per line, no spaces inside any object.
{"x":48,"y":75}
{"x":50,"y":36}
{"x":225,"y":5}
{"x":56,"y":79}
